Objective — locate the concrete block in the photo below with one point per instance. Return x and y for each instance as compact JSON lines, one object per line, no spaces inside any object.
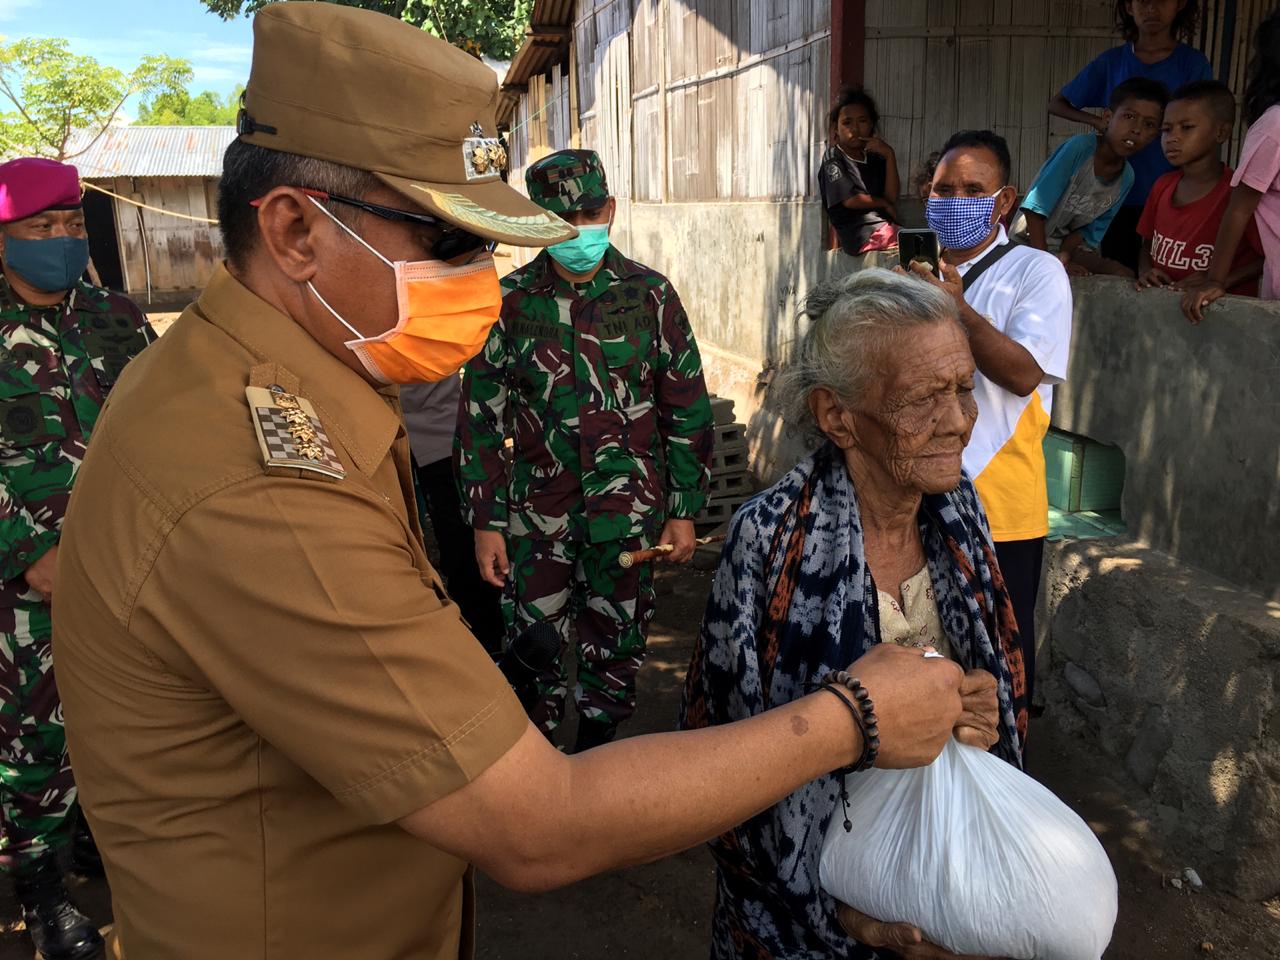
{"x":721,"y":410}
{"x":1191,"y":694}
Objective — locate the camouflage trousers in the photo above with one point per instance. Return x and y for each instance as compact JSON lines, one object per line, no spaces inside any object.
{"x":37,"y":792}
{"x":560,"y":581}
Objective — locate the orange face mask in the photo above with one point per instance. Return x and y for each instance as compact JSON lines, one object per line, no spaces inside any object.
{"x":445,"y":314}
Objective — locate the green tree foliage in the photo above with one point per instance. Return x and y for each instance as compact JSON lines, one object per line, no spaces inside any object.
{"x":173,"y":108}
{"x":493,"y":28}
{"x":54,"y":94}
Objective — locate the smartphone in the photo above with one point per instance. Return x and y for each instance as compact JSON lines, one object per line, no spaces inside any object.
{"x":918,"y":245}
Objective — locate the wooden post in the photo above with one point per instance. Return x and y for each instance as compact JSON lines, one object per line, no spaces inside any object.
{"x":848,"y":39}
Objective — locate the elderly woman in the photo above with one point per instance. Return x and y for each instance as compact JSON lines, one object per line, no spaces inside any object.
{"x":876,"y":537}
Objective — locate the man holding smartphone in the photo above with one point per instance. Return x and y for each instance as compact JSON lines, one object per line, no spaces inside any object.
{"x":1015,"y":302}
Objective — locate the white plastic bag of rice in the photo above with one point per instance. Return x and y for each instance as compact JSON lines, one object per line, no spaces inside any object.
{"x":978,"y":855}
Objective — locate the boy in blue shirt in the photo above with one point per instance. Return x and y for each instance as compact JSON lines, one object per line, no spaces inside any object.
{"x":1155,"y":34}
{"x":1077,"y":192}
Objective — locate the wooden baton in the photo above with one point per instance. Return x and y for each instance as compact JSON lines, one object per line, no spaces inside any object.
{"x":630,"y":558}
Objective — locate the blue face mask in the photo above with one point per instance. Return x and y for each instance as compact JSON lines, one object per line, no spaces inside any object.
{"x":585,"y":251}
{"x":49,"y":264}
{"x":960,"y":222}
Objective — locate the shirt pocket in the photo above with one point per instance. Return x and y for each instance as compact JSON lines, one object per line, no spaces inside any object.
{"x":29,"y":413}
{"x":110,"y":342}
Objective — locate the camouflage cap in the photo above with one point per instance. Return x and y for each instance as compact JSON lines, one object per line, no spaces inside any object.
{"x":568,"y":180}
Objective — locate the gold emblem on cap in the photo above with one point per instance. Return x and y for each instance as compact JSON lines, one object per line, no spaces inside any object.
{"x":482,"y":156}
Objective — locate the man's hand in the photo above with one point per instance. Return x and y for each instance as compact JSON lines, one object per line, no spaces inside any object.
{"x":979,"y":724}
{"x":951,"y":280}
{"x":678,"y":533}
{"x":39,"y":575}
{"x":491,"y":556}
{"x":1155,"y":277}
{"x":902,"y":938}
{"x":917,"y":702}
{"x":1196,"y":299}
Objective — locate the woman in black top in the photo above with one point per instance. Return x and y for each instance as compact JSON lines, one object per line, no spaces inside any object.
{"x":859,"y":176}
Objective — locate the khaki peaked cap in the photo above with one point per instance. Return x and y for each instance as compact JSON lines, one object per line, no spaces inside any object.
{"x":366,"y":90}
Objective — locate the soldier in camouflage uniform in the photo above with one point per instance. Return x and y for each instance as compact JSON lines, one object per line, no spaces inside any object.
{"x":63,"y":342}
{"x":594,"y":373}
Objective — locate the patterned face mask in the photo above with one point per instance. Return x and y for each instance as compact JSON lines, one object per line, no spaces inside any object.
{"x":961,"y":222}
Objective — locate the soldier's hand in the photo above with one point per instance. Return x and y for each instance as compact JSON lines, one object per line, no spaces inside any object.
{"x":680,"y":534}
{"x":917,"y":702}
{"x":39,"y":575}
{"x":491,"y":556}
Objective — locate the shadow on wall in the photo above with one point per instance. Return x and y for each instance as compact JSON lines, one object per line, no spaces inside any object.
{"x":1197,"y":414}
{"x":1176,"y":675}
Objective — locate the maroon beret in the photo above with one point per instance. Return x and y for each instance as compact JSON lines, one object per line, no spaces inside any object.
{"x":30,"y":185}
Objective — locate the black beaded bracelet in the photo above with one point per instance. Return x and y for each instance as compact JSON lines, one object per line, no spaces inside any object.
{"x":863,"y":711}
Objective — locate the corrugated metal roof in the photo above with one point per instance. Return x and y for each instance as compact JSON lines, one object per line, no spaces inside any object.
{"x":152,"y":152}
{"x":546,"y":43}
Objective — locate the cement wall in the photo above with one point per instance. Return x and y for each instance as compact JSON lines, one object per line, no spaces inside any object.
{"x":1175,"y":675}
{"x":1196,"y":410}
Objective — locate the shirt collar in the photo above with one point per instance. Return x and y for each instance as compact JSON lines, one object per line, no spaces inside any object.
{"x":353,"y":412}
{"x":80,"y":296}
{"x":1002,"y":237}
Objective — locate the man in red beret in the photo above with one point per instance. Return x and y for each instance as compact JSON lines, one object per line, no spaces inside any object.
{"x":63,"y":342}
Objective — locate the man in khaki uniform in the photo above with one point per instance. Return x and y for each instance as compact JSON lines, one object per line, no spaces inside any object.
{"x":287,"y":742}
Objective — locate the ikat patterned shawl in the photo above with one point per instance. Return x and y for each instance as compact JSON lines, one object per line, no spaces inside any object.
{"x":793,"y":598}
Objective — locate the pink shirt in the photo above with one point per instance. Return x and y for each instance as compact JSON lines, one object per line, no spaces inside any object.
{"x":1259,"y":168}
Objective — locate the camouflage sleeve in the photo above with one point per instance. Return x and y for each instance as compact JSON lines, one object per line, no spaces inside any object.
{"x":23,"y":539}
{"x":684,"y":413}
{"x":482,"y":471}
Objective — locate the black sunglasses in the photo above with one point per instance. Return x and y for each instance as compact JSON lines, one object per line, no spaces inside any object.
{"x":453,"y":241}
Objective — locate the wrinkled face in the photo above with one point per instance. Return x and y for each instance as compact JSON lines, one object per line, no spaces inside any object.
{"x":1133,"y":125}
{"x":1191,"y":132}
{"x":917,"y":418}
{"x":853,"y":126}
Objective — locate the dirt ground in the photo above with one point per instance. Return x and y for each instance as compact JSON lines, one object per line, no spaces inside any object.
{"x":662,"y":910}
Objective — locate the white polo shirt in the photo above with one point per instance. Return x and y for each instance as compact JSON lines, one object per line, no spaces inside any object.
{"x":1026,"y":295}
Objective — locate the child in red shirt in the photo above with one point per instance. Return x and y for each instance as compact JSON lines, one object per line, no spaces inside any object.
{"x":1179,"y":223}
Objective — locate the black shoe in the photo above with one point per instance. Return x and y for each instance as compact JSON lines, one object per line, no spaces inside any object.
{"x":58,"y":930}
{"x":593,"y":734}
{"x":85,"y":859}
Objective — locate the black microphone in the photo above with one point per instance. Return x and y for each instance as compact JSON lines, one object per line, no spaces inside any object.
{"x":533,"y":652}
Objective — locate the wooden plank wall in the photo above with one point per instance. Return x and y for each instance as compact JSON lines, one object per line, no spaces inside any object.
{"x":1231,"y":59}
{"x":728,"y":97}
{"x":182,"y":254}
{"x":543,"y":123}
{"x":725,"y":95}
{"x":938,"y":66}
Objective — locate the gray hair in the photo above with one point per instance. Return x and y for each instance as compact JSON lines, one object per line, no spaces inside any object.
{"x":851,"y":321}
{"x":249,"y":171}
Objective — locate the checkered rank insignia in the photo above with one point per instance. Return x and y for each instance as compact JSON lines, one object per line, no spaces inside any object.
{"x":290,"y":434}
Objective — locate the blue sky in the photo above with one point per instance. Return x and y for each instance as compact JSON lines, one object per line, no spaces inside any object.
{"x":121,"y":32}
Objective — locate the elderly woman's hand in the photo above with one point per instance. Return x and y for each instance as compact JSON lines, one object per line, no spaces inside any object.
{"x":979,"y":724}
{"x":902,"y":938}
{"x":917,"y":702}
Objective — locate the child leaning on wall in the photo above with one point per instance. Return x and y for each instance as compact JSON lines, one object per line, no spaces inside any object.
{"x":1255,"y":187}
{"x":1077,"y":192}
{"x":1180,"y":222}
{"x":1155,"y":31}
{"x":858,"y":178}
